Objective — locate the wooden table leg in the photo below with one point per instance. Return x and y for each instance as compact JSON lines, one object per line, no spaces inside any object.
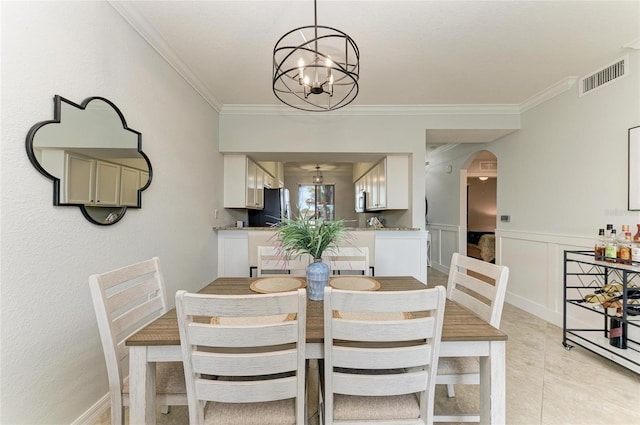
{"x":142,"y":387}
{"x":493,"y":385}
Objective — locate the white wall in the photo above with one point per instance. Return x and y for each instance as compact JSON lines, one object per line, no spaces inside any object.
{"x":560,"y":178}
{"x":52,"y":364}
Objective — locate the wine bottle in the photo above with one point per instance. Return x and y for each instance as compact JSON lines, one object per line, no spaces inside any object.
{"x":611,"y":248}
{"x":600,"y":245}
{"x":624,"y":245}
{"x":618,"y":331}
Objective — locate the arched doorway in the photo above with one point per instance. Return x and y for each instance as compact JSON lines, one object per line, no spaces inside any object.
{"x":478,"y":205}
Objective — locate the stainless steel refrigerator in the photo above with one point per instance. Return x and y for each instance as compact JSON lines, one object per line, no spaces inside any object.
{"x":276,"y":207}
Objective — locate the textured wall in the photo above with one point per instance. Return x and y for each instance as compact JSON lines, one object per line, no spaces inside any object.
{"x":52,"y":364}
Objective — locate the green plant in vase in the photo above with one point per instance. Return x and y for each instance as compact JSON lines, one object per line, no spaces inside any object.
{"x":301,"y":236}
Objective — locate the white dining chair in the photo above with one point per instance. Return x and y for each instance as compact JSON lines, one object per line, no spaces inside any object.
{"x":126,"y":300}
{"x":348,"y":260}
{"x":272,"y":260}
{"x":481,"y":287}
{"x":244,"y":362}
{"x":380,"y":355}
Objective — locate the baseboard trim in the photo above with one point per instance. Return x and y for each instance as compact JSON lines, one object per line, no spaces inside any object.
{"x":535,"y":309}
{"x":91,"y":416}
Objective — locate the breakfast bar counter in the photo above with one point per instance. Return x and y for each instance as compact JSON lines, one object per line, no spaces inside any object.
{"x":392,"y":251}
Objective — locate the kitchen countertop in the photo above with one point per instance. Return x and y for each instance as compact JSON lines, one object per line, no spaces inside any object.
{"x":350,"y":229}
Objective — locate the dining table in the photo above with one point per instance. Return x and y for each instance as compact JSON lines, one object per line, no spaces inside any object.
{"x":463,"y":334}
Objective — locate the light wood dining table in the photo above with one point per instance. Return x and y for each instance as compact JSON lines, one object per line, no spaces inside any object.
{"x":463,"y":334}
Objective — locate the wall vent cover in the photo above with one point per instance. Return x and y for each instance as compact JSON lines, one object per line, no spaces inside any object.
{"x":488,"y":166}
{"x":604,"y":76}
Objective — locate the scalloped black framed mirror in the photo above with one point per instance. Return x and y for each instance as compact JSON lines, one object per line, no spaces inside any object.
{"x":93,"y":159}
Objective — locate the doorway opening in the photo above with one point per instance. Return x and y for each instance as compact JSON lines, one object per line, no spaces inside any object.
{"x":478,"y":205}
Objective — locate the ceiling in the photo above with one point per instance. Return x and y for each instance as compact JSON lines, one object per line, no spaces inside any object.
{"x":412,"y":53}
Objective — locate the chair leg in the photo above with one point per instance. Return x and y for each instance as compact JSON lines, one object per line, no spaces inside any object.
{"x":165,"y":410}
{"x":450,"y":391}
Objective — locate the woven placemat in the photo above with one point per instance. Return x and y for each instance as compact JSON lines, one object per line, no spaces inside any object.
{"x":271,"y":285}
{"x":354,"y":283}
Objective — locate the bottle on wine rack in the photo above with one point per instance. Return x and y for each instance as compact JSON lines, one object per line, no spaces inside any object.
{"x":624,"y":245}
{"x":618,"y":331}
{"x":611,"y":247}
{"x":600,"y":245}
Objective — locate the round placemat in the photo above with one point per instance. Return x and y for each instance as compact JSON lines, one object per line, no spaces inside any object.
{"x":354,"y":283}
{"x":270,"y":285}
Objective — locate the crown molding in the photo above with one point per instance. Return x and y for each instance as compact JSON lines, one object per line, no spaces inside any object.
{"x":129,"y":12}
{"x":370,"y":110}
{"x":549,"y":93}
{"x":635,"y":44}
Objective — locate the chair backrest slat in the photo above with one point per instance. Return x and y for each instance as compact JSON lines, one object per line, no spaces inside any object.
{"x":146,"y":289}
{"x":232,"y":364}
{"x":243,"y":336}
{"x":380,"y":385}
{"x":246,"y":392}
{"x":348,"y":259}
{"x":272,"y":260}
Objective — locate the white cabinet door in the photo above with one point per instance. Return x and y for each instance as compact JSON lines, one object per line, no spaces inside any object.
{"x":388,"y":184}
{"x":107,"y":184}
{"x":381,"y":171}
{"x":252,"y":169}
{"x":259,"y":193}
{"x":79,"y":183}
{"x":129,"y":185}
{"x":244,"y":182}
{"x":233,"y":250}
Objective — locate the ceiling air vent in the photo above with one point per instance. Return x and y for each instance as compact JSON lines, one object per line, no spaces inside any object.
{"x":604,"y":76}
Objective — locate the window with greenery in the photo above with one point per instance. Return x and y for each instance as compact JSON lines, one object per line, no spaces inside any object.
{"x":317,"y":201}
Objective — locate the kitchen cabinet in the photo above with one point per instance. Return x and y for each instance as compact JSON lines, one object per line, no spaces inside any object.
{"x":88,"y":181}
{"x":79,"y":180}
{"x":131,"y":180}
{"x":386,"y":184}
{"x":244,"y":182}
{"x":107,"y":184}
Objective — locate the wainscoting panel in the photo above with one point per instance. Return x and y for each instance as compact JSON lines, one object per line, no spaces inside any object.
{"x":535,"y":262}
{"x":444,"y":242}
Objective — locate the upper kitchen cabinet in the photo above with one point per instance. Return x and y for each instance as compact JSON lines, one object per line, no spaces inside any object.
{"x":386,"y":184}
{"x":244,"y":182}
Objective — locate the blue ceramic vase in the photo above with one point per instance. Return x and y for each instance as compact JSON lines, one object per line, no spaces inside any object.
{"x":317,"y":279}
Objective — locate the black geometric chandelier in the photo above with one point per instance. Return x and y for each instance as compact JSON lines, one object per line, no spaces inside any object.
{"x":316,"y":68}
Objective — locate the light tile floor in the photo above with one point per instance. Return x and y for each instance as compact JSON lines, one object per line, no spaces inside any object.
{"x":546,"y":384}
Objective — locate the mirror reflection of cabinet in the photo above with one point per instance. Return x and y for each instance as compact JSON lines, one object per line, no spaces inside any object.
{"x":94,"y":160}
{"x":79,"y":180}
{"x":91,"y":182}
{"x":130,"y":181}
{"x":107,"y":184}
